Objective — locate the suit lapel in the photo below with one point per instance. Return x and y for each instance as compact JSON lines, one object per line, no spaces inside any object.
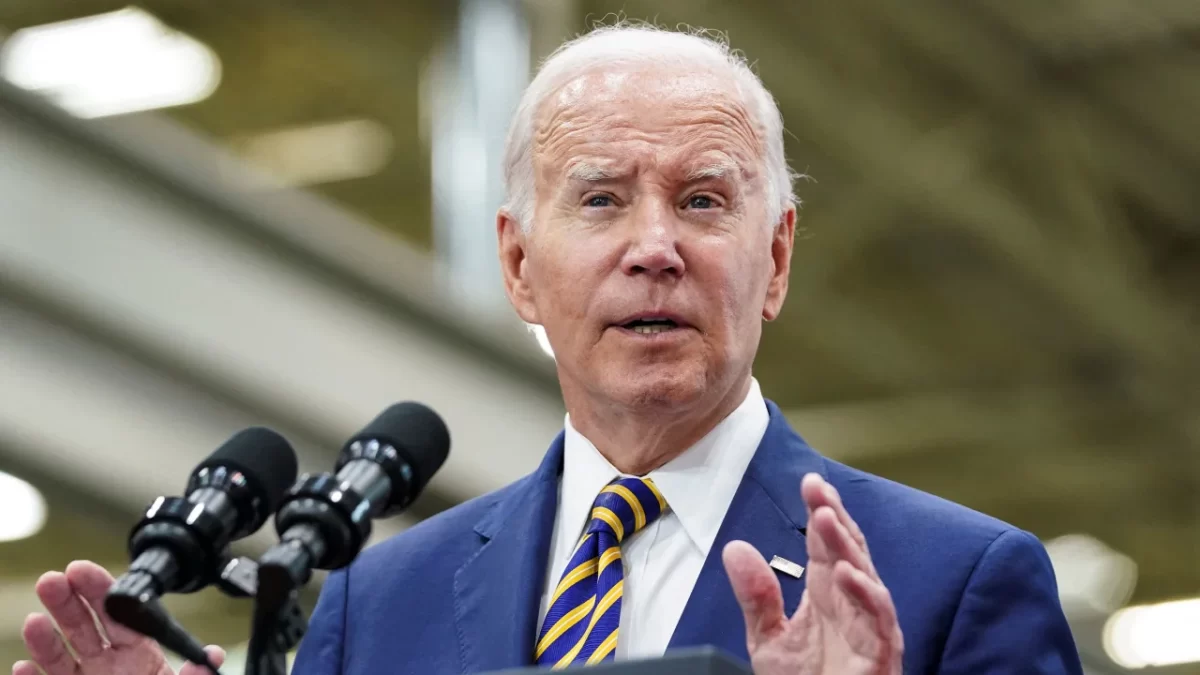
{"x":497,"y":591}
{"x":768,"y":513}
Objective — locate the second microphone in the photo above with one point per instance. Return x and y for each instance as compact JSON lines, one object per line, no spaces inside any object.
{"x":325,"y":520}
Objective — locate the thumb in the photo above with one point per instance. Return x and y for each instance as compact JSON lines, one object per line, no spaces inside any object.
{"x":757,"y":590}
{"x":215,"y":654}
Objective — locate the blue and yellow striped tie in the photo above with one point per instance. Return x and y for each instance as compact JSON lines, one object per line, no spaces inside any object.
{"x":585,"y":610}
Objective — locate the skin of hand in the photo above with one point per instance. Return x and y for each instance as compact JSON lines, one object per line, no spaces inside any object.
{"x":75,"y":616}
{"x":846,"y":622}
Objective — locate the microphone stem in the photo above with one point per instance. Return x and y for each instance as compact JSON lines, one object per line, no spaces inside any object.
{"x":308,"y":536}
{"x":158,"y":562}
{"x":151,"y":574}
{"x":288,"y":565}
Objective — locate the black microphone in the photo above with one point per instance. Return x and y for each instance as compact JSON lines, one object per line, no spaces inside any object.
{"x":180,"y":544}
{"x":326,"y":519}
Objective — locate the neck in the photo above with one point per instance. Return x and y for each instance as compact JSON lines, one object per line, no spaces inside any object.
{"x":638,"y":440}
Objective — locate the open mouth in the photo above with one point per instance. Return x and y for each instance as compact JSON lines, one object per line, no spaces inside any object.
{"x":650,"y":326}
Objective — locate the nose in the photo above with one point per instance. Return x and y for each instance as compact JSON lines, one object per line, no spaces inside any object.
{"x":654,"y":246}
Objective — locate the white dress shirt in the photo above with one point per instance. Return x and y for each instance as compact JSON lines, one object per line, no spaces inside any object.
{"x":663,"y":560}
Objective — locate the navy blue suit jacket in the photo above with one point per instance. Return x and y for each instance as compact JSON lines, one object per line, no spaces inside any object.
{"x":459,"y":593}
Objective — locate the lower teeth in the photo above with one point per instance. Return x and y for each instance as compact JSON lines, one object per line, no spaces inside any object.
{"x":648,"y":330}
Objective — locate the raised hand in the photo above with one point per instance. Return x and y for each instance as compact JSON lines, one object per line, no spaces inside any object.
{"x":846,"y":623}
{"x":101,"y":646}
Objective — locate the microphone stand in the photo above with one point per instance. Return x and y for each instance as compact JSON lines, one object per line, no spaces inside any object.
{"x":276,"y":629}
{"x":273,"y":635}
{"x":277,"y":625}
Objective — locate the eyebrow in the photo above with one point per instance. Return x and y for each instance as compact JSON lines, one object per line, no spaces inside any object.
{"x":589,"y":173}
{"x":717,"y":170}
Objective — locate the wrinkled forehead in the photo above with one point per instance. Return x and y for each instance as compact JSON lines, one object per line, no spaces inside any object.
{"x":616,"y":119}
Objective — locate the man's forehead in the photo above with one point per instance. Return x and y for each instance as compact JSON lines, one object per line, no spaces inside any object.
{"x":616,"y":121}
{"x":590,"y":85}
{"x":640,"y":96}
{"x":619,"y":81}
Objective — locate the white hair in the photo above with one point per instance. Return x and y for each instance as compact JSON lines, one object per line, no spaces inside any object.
{"x":627,"y":43}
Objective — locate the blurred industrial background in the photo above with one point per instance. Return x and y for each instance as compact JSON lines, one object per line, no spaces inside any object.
{"x":228,"y":213}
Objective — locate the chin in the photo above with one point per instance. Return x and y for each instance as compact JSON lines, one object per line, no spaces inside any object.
{"x":675,"y":388}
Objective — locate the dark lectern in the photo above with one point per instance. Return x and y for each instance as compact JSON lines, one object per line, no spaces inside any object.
{"x":702,"y":661}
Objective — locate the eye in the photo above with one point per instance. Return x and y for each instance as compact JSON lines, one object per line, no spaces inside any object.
{"x":598,"y":201}
{"x":701,"y":202}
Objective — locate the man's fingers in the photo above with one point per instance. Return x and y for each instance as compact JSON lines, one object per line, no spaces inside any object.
{"x":68,"y":611}
{"x":215,"y":653}
{"x":757,"y":590}
{"x":46,"y":647}
{"x":91,"y":582}
{"x":812,"y":489}
{"x":829,"y":542}
{"x":851,"y":526}
{"x":25,"y":668}
{"x":873,"y":598}
{"x":869,"y":595}
{"x":817,"y":493}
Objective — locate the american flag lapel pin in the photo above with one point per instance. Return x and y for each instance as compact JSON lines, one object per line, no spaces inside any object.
{"x":787,"y":567}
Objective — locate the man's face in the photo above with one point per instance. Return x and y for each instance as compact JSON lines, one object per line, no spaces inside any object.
{"x":650,"y":262}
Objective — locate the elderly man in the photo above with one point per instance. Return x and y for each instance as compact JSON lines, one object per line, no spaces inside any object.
{"x":649,"y":230}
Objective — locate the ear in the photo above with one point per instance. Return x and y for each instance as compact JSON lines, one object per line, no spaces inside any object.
{"x":513,"y":266}
{"x":781,"y":255}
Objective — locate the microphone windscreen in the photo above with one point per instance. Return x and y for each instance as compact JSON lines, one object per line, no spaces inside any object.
{"x":417,"y":432}
{"x":264,"y":457}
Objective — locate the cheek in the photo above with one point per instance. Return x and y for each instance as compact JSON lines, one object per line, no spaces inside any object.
{"x":563,"y":282}
{"x":737,"y":281}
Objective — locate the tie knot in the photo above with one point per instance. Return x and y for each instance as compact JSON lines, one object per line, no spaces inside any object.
{"x":625,"y":506}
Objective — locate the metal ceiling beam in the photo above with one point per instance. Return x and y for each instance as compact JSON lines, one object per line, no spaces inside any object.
{"x":199,"y":310}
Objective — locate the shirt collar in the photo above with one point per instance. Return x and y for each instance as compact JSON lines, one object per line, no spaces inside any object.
{"x":698,"y":485}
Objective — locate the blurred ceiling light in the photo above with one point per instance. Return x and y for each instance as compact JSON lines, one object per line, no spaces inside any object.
{"x":1154,"y":635}
{"x":109,"y":64}
{"x":22,"y":509}
{"x":1091,"y":576}
{"x":320,"y":153}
